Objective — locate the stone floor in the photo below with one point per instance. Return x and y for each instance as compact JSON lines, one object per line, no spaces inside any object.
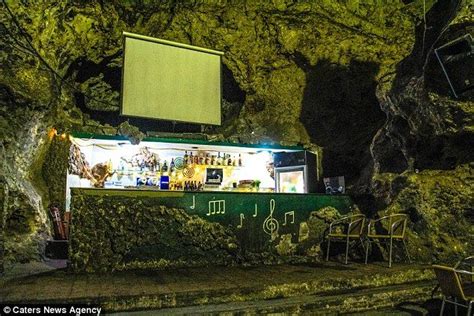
{"x":323,"y":287}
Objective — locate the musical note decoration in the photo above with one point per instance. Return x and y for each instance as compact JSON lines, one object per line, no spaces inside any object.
{"x":270,"y":225}
{"x":242,"y":217}
{"x":216,"y":207}
{"x":256,"y":210}
{"x":292,"y":214}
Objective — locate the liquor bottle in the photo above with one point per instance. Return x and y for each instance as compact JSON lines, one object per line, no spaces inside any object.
{"x":213,"y":160}
{"x":229,"y":160}
{"x":240,"y":160}
{"x":172,"y":167}
{"x":185,"y":157}
{"x":164,"y":167}
{"x":201,"y":159}
{"x":219,"y":159}
{"x":206,"y":161}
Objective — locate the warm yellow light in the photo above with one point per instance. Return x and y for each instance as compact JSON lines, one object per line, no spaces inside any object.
{"x":52,"y":132}
{"x":63,"y":136}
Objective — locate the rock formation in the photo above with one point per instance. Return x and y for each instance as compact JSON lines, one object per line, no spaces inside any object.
{"x":359,"y":80}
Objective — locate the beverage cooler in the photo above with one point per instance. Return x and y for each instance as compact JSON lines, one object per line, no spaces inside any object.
{"x":295,"y":172}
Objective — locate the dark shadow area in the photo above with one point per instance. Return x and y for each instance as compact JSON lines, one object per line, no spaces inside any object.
{"x":341,"y":113}
{"x":85,"y":69}
{"x":444,"y":152}
{"x":324,"y":265}
{"x":430,"y":307}
{"x":368,"y":204}
{"x":230,"y":88}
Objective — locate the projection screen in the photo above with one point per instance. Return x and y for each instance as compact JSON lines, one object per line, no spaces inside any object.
{"x":170,"y":81}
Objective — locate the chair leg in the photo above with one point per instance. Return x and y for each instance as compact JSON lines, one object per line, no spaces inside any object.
{"x":367,"y":250}
{"x":469,"y":309}
{"x":362,"y":244}
{"x":442,"y":306}
{"x":456,"y":306}
{"x":390,"y":254}
{"x":347,"y":248}
{"x":327,"y":252}
{"x":406,"y":251}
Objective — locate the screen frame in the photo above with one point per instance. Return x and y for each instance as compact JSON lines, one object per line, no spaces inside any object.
{"x":179,"y":45}
{"x":221,"y":172}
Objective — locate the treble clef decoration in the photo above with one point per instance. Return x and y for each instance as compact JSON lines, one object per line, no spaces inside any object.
{"x":270,"y":225}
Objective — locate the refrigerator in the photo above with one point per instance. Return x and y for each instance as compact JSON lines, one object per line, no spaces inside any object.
{"x":295,"y":172}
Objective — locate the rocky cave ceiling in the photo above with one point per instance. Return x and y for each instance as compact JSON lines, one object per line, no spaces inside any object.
{"x":357,"y":78}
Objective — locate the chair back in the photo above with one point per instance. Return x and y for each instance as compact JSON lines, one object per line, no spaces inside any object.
{"x":466,"y":265}
{"x":449,"y":281}
{"x":398,"y":224}
{"x":357,"y":226}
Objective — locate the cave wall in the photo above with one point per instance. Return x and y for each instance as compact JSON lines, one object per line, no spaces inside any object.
{"x":423,"y":158}
{"x":345,"y":76}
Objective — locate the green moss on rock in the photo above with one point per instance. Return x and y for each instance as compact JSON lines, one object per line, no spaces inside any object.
{"x":129,"y":234}
{"x":54,"y":169}
{"x":439,"y":206}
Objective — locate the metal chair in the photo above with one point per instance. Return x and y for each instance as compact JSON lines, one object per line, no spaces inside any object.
{"x":396,"y":224}
{"x":466,"y":265}
{"x":452,"y":288}
{"x":346,"y":229}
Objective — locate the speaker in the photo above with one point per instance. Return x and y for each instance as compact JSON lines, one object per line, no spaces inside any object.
{"x":335,"y":185}
{"x":457,"y":62}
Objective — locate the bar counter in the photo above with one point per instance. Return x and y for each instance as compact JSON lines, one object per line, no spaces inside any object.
{"x":115,"y":228}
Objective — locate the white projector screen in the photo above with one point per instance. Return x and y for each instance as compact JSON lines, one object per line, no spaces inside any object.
{"x":170,"y":81}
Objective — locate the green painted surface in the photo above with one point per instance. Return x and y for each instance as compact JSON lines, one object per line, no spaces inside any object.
{"x":187,"y":141}
{"x":117,"y":229}
{"x":226,"y":207}
{"x":252,"y":216}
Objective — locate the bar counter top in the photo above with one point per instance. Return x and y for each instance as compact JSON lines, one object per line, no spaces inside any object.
{"x":231,"y":191}
{"x":211,"y":203}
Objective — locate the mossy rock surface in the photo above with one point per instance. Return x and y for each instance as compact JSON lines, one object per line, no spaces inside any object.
{"x":358,"y":80}
{"x":439,"y":205}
